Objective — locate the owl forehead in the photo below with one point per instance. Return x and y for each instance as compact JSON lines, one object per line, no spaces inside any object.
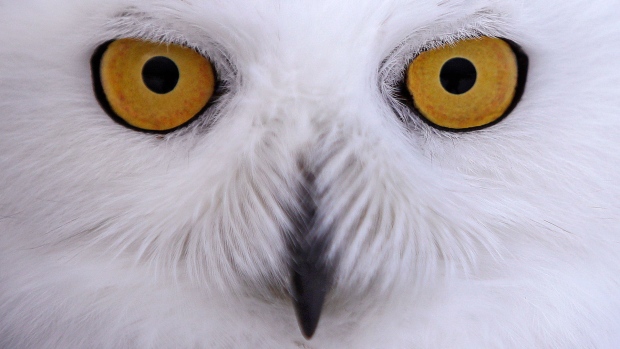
{"x":319,"y":31}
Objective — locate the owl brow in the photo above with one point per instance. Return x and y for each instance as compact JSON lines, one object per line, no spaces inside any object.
{"x":484,"y":22}
{"x":133,"y":23}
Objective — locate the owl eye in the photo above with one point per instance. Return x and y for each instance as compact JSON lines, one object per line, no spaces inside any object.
{"x":468,"y":85}
{"x":152,"y":86}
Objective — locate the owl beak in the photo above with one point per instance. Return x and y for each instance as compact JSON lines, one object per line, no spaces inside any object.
{"x":311,"y":272}
{"x":311,"y":281}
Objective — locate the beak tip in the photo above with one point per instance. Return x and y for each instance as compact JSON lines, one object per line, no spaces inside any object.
{"x":309,"y":296}
{"x":308,"y":320}
{"x":308,"y":332}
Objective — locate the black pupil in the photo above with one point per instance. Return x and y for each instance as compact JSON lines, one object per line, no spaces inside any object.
{"x":458,"y":75}
{"x":160,"y":74}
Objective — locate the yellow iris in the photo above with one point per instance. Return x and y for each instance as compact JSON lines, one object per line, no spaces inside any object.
{"x":155,"y":86}
{"x":466,"y":85}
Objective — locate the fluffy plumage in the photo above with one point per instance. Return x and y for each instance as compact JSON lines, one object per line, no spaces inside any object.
{"x":505,"y":237}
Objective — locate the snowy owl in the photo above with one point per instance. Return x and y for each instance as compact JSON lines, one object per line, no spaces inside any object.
{"x":309,"y":174}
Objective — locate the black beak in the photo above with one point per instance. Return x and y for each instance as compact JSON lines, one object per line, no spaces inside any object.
{"x":311,"y":273}
{"x":311,"y":282}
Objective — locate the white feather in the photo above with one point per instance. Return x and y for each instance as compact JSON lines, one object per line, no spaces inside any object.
{"x":507,"y":237}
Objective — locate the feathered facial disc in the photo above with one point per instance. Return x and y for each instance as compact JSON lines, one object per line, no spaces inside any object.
{"x":336,"y":156}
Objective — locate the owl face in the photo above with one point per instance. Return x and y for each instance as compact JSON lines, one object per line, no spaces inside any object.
{"x":328,"y":153}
